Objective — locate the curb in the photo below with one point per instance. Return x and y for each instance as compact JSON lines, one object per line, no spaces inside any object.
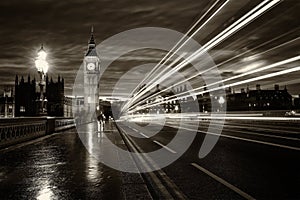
{"x":158,"y":183}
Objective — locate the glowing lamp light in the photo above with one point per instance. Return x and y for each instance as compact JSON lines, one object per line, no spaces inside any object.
{"x":42,"y":54}
{"x":221,"y":100}
{"x":40,"y":63}
{"x":176,"y":108}
{"x":42,"y":67}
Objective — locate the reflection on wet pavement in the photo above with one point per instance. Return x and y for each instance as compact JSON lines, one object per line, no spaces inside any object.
{"x":56,"y":168}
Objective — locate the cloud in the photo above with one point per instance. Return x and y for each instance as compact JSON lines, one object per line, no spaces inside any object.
{"x":63,"y":27}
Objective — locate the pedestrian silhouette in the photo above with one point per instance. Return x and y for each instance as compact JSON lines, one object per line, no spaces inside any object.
{"x":101,"y":121}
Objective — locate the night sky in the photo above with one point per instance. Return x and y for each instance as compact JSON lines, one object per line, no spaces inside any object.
{"x":64,"y":27}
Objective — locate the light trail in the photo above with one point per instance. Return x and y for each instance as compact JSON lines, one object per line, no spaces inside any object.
{"x":153,"y":117}
{"x":243,"y":21}
{"x":294,"y":69}
{"x":280,"y":63}
{"x":188,"y":32}
{"x":161,"y":63}
{"x":257,"y":70}
{"x":215,"y":13}
{"x":226,"y":61}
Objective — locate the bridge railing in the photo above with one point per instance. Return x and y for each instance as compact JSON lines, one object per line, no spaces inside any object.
{"x":61,"y":124}
{"x":14,"y":132}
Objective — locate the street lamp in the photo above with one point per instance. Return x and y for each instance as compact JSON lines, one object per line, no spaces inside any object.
{"x":221,"y":102}
{"x":42,"y":67}
{"x":176,"y":108}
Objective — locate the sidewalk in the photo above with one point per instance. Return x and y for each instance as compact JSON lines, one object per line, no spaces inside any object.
{"x":97,"y":141}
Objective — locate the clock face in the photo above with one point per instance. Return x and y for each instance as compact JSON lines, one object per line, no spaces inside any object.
{"x":91,"y":66}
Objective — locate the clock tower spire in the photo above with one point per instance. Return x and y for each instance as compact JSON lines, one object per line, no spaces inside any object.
{"x":91,"y":63}
{"x":91,"y":44}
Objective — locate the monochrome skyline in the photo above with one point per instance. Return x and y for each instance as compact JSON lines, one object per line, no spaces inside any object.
{"x":64,"y":29}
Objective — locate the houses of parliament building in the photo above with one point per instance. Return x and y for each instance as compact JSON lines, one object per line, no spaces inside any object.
{"x":22,"y":101}
{"x":27,"y":97}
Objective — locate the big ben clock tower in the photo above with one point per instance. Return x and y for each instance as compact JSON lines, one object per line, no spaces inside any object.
{"x":91,"y":64}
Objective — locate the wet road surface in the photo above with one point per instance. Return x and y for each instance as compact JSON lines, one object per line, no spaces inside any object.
{"x":258,"y":160}
{"x":58,"y":167}
{"x":250,"y":160}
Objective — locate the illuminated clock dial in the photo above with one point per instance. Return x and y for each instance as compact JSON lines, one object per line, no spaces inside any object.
{"x":91,"y":66}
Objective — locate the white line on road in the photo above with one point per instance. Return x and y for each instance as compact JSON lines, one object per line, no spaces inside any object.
{"x":142,"y":134}
{"x":150,"y":164}
{"x":156,"y":142}
{"x":167,"y":148}
{"x":134,"y":129}
{"x":220,"y":180}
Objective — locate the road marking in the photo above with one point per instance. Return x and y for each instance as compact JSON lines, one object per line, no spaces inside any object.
{"x":245,"y":139}
{"x":220,"y":180}
{"x":156,"y":142}
{"x":134,"y":129}
{"x":142,"y":134}
{"x":167,"y":148}
{"x":164,"y":188}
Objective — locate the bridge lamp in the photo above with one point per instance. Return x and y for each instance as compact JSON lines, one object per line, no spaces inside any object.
{"x":42,"y":67}
{"x":221,"y":102}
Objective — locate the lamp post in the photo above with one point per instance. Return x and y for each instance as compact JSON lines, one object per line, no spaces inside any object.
{"x":42,"y":67}
{"x":221,"y":102}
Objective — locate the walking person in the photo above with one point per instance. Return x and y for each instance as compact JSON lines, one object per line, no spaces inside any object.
{"x":101,"y":121}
